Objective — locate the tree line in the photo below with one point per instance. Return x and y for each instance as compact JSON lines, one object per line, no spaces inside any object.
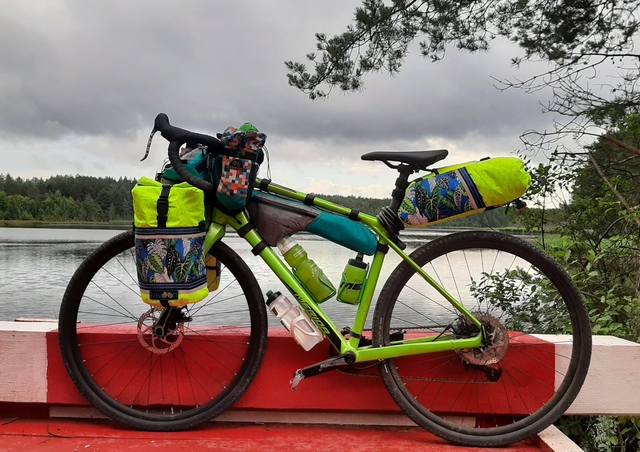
{"x":66,"y":198}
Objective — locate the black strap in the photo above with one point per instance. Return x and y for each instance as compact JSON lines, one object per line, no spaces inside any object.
{"x":244,"y":230}
{"x":355,"y":335}
{"x":264,"y":184}
{"x":308,"y":200}
{"x":162,"y":206}
{"x":384,"y":249}
{"x":259,"y":247}
{"x":402,"y":183}
{"x":353,"y":214}
{"x":164,"y":303}
{"x":397,"y":194}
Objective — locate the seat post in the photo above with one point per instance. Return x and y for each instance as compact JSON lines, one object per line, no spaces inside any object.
{"x":402,"y":182}
{"x":388,"y":216}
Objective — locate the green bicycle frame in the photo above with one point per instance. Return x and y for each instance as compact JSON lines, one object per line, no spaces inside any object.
{"x":406,"y":347}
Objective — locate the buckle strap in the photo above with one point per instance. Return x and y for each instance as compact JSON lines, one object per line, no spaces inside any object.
{"x":162,"y":206}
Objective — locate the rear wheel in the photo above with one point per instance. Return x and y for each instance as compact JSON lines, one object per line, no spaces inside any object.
{"x":196,"y":368}
{"x":537,"y":350}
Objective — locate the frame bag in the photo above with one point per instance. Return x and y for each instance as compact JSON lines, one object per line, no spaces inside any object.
{"x":460,"y":190}
{"x":276,"y":218}
{"x":170,"y":229}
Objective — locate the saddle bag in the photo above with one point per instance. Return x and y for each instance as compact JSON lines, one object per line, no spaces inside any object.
{"x":170,"y":229}
{"x":460,"y":190}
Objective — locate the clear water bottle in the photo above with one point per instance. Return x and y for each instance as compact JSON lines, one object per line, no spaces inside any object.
{"x":295,"y":320}
{"x":307,"y":272}
{"x":353,"y":277}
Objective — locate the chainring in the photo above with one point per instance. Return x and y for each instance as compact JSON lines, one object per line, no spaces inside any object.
{"x":497,"y":342}
{"x":154,"y":343}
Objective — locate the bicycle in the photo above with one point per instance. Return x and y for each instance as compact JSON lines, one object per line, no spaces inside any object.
{"x":479,"y":357}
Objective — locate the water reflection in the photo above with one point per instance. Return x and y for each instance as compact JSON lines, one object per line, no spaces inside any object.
{"x":36,"y":265}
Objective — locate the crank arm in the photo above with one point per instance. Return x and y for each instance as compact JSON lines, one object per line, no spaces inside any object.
{"x":332,"y":363}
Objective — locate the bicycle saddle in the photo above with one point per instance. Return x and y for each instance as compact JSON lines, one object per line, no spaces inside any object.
{"x":421,"y":159}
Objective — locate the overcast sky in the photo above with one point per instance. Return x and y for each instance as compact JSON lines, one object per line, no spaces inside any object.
{"x":81,"y":82}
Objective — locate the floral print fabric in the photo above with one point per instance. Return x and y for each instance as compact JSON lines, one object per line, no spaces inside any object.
{"x":439,"y":197}
{"x":171,"y":264}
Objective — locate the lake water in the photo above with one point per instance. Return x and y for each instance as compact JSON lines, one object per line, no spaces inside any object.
{"x":37,"y":263}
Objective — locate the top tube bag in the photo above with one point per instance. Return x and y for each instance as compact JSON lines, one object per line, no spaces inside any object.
{"x":459,"y":190}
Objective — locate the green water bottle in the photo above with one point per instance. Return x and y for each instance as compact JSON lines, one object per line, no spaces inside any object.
{"x":353,"y":277}
{"x":307,"y":272}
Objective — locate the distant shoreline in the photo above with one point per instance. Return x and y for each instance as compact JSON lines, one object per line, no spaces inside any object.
{"x":126,"y":226}
{"x":62,"y":225}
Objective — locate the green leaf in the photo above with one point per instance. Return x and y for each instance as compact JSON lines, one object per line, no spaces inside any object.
{"x":155,"y":263}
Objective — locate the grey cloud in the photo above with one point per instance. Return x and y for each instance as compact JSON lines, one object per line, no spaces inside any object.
{"x":105,"y":68}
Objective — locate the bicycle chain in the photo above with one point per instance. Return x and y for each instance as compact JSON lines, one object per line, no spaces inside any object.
{"x":435,"y":380}
{"x":357,"y":372}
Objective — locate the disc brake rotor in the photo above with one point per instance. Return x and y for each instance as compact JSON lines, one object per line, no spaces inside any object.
{"x":154,"y":343}
{"x":496,"y":344}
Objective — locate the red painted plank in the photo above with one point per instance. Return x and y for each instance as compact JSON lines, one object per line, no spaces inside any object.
{"x":92,"y":436}
{"x":520,"y":392}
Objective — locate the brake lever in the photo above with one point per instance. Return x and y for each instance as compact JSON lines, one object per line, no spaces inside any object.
{"x":146,"y":154}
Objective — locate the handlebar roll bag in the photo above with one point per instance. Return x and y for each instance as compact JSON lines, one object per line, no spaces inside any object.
{"x":170,"y":231}
{"x":459,"y":190}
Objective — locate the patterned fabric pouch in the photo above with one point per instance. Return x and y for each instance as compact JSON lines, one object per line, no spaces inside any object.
{"x":169,"y":243}
{"x":235,"y":177}
{"x":237,"y":173}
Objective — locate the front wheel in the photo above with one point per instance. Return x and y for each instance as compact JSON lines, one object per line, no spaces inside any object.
{"x":200,"y":365}
{"x":537,"y":348}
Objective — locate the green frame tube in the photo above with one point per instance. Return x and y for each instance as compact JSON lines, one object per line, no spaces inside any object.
{"x":216,"y":231}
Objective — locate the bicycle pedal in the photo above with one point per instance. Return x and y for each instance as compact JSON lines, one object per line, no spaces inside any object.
{"x":298,"y":376}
